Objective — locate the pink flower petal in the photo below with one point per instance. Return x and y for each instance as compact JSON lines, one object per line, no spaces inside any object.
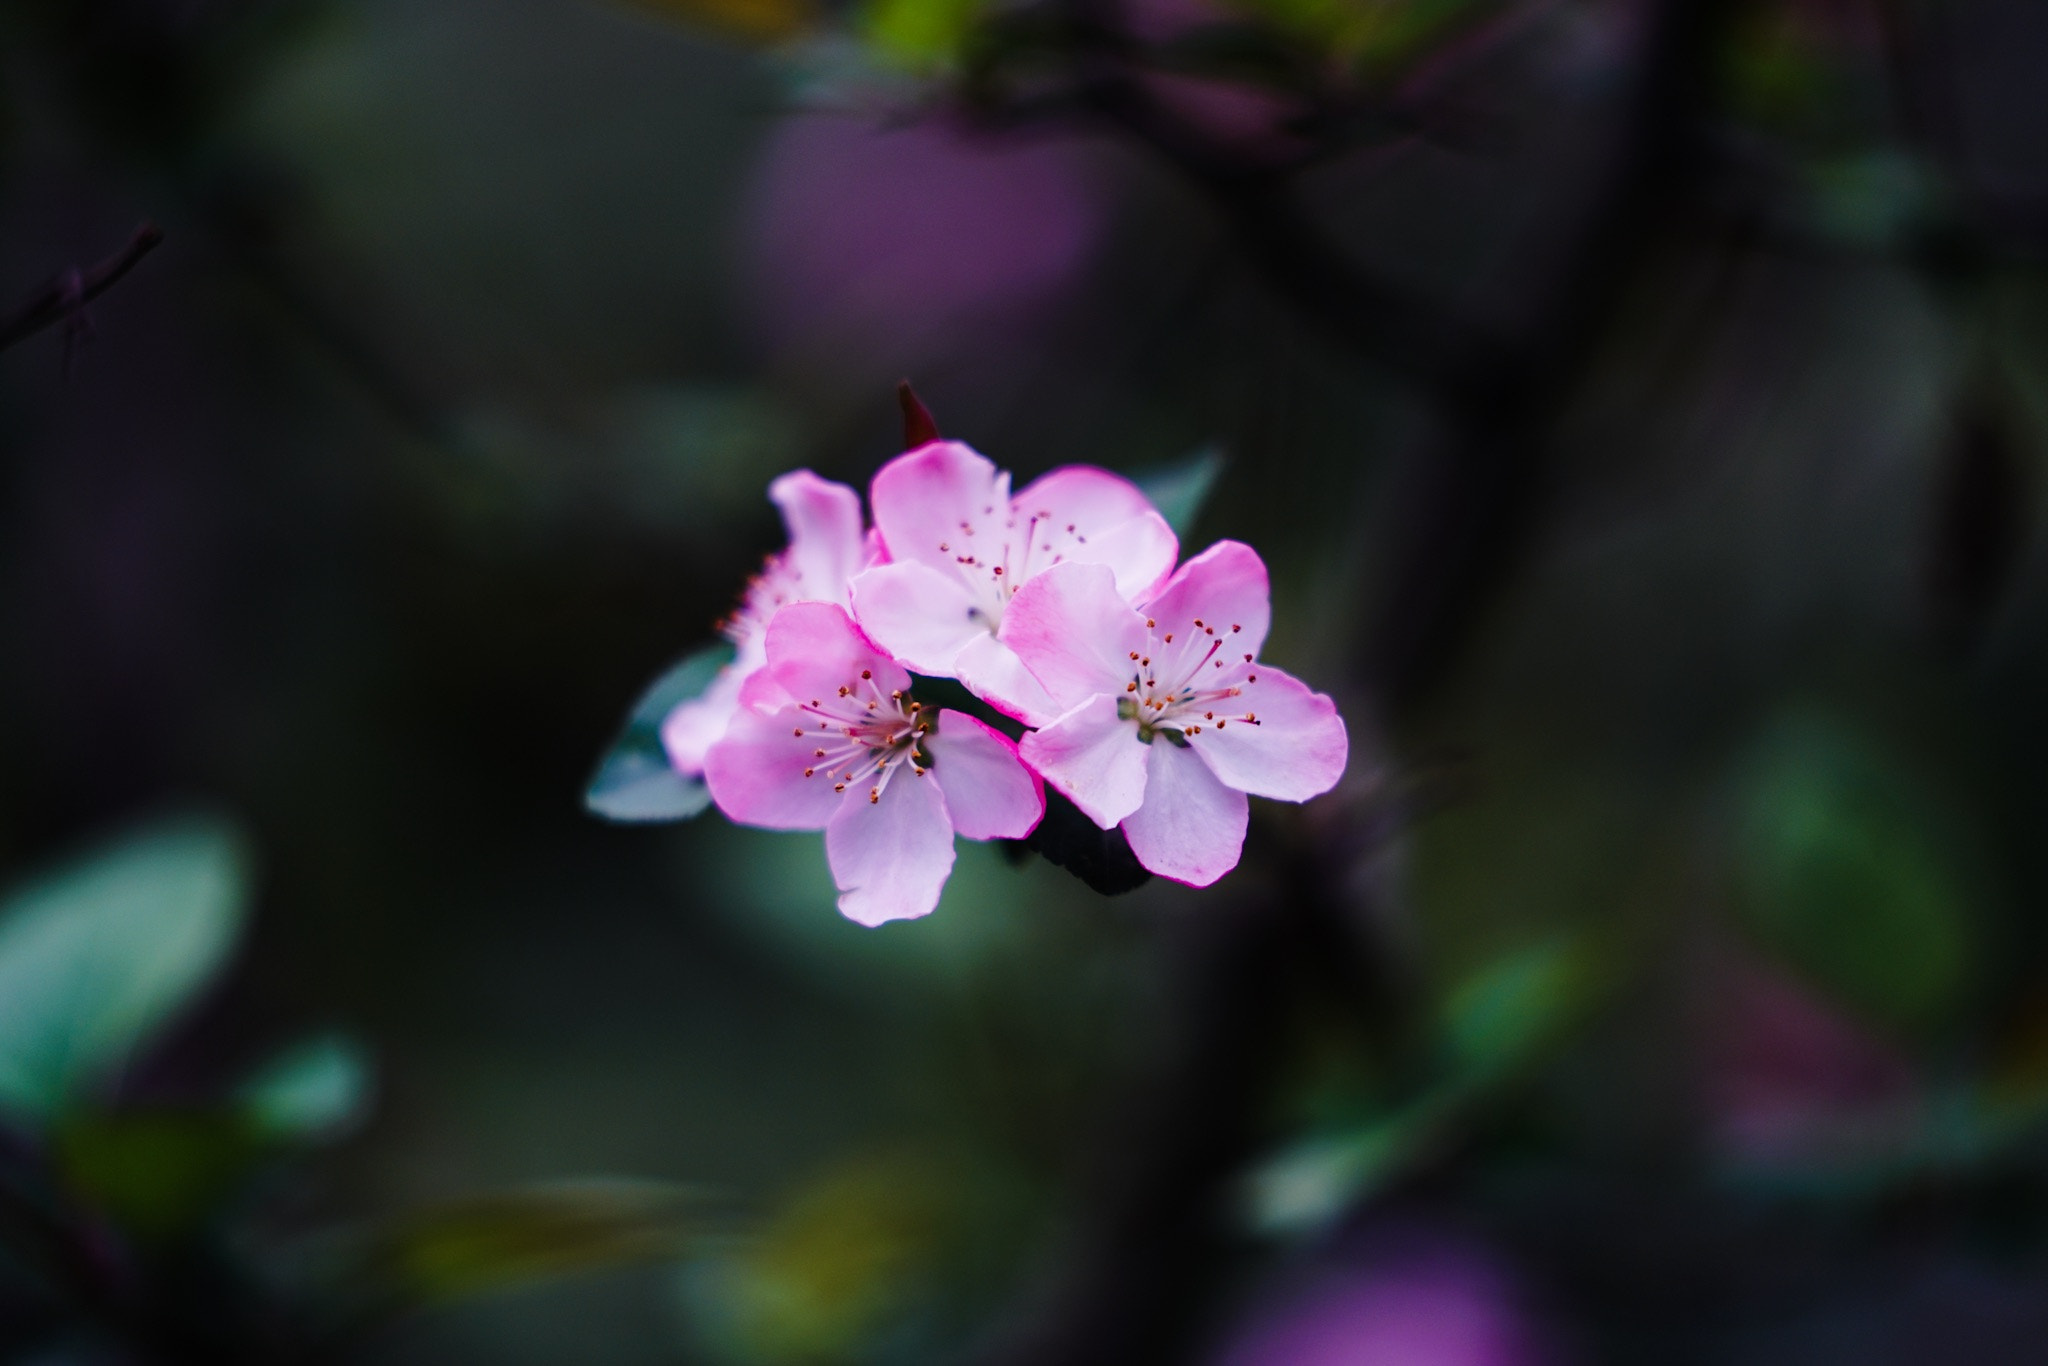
{"x":890,"y":857}
{"x":1191,"y":827}
{"x":1094,"y":757}
{"x":992,"y":672}
{"x":1225,"y":588}
{"x":826,"y":544}
{"x":1292,"y":749}
{"x":989,"y":792}
{"x":814,"y":649}
{"x":1095,"y":517}
{"x":920,"y":615}
{"x":1075,"y":633}
{"x":756,"y":773}
{"x":925,"y":498}
{"x":693,"y":727}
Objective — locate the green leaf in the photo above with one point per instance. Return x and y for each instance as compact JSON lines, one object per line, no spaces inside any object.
{"x":1515,"y":1010}
{"x":1841,"y":866}
{"x":1311,"y":1183}
{"x":496,"y":1242}
{"x":634,"y":781}
{"x":313,"y":1090}
{"x":921,"y":34}
{"x":158,"y":1174}
{"x":96,"y":955}
{"x":1179,"y":490}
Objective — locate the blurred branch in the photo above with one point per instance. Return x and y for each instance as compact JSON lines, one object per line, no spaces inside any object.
{"x":1154,"y":1237}
{"x":66,"y":296}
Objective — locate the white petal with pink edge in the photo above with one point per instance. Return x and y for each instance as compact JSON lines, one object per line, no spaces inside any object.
{"x":989,"y":792}
{"x":826,"y":544}
{"x":756,"y":774}
{"x":1075,"y":632}
{"x":890,"y":857}
{"x":1093,"y":757}
{"x":814,"y":649}
{"x":1281,"y":740}
{"x":1222,"y":595}
{"x":690,"y":730}
{"x":920,"y":615}
{"x":1191,"y":827}
{"x":924,"y":496}
{"x":991,"y":671}
{"x":1080,"y":514}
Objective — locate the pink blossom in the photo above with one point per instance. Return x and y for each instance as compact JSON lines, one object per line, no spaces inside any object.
{"x":827,"y":737}
{"x":826,"y":549}
{"x":961,"y":546}
{"x":1166,"y":718}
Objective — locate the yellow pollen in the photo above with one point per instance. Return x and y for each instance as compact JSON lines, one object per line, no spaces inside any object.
{"x":1130,"y":687}
{"x":874,"y":795}
{"x":1251,"y":718}
{"x":1134,"y":654}
{"x":844,"y":691}
{"x":839,"y":787}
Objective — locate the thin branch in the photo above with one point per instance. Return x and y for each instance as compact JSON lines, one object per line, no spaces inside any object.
{"x":67,"y":295}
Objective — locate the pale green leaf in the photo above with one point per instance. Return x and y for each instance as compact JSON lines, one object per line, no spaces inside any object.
{"x":634,"y":781}
{"x":98,"y":954}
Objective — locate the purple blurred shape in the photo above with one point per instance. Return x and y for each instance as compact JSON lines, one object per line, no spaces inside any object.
{"x":893,"y":239}
{"x":1789,"y":1075}
{"x":1417,"y":1301}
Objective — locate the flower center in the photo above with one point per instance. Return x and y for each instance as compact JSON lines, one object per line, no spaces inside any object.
{"x":862,"y":735}
{"x":1187,"y":679}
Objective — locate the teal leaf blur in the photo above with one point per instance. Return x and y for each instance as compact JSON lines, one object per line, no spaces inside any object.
{"x":96,"y":955}
{"x":1181,"y":489}
{"x":634,"y":781}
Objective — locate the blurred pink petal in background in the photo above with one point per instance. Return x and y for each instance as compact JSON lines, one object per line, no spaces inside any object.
{"x":1418,"y":1301}
{"x":897,"y":239}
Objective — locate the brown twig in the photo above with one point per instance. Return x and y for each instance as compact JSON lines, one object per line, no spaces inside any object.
{"x":67,"y":295}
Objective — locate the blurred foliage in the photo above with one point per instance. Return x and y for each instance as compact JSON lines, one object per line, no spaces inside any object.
{"x":634,"y":780}
{"x":490,"y":1243}
{"x":1842,"y":867}
{"x":860,"y":1262}
{"x":1181,"y":489}
{"x":1494,"y":1030}
{"x":95,"y":956}
{"x":759,"y":20}
{"x":1685,"y":958}
{"x":315,"y":1089}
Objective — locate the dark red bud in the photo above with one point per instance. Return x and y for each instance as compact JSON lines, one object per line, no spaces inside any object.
{"x":918,"y":427}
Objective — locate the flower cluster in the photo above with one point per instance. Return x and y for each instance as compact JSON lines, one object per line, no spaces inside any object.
{"x":1138,"y":685}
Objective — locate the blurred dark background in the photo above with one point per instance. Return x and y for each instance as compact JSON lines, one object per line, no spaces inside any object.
{"x":1640,"y":404}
